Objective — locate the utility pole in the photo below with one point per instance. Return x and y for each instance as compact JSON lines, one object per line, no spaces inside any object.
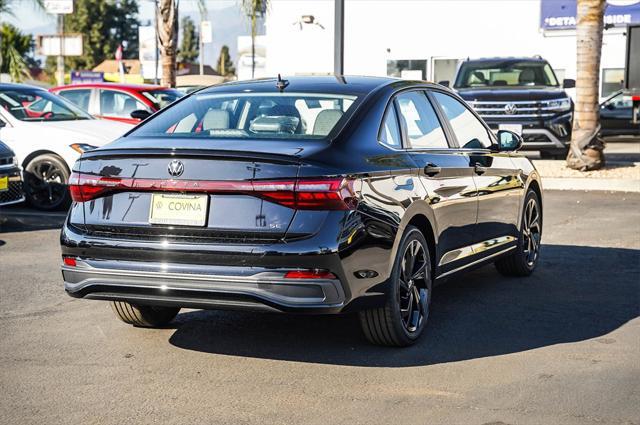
{"x":338,"y":42}
{"x":60,"y":64}
{"x":201,"y":47}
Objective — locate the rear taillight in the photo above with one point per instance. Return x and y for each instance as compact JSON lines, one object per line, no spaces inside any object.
{"x":309,"y":274}
{"x":304,"y":194}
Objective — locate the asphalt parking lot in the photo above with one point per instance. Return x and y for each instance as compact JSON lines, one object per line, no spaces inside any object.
{"x":560,"y":347}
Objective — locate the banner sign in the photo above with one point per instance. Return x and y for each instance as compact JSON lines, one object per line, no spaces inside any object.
{"x":561,"y":14}
{"x":80,"y":77}
{"x":61,"y":7}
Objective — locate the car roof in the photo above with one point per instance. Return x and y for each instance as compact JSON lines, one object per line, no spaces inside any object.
{"x":10,"y":86}
{"x":121,"y":86}
{"x":508,"y":59}
{"x":348,"y":84}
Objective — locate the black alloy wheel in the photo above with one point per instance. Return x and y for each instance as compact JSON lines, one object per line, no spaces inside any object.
{"x":45,"y":183}
{"x":402,"y":320}
{"x":524,"y":258}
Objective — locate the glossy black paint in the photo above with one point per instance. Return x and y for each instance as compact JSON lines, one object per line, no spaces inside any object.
{"x":455,"y":208}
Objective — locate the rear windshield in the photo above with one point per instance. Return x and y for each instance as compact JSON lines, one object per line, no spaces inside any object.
{"x":293,"y":116}
{"x":505,"y":73}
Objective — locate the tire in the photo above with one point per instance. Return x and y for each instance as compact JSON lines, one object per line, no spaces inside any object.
{"x":389,"y":325}
{"x":144,"y":316}
{"x":523,"y":260}
{"x":45,"y":183}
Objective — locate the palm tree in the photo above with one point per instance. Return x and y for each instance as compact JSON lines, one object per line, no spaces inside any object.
{"x":586,"y":148}
{"x":17,"y":66}
{"x":167,"y":19}
{"x":254,"y":9}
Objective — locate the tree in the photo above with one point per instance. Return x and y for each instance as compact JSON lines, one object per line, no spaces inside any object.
{"x":189,"y":48}
{"x":224,"y":66}
{"x":16,"y":52}
{"x":17,"y":64}
{"x":586,"y":148}
{"x":167,"y":18}
{"x":254,"y":9}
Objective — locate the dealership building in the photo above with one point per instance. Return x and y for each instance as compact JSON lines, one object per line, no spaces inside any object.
{"x":427,"y":39}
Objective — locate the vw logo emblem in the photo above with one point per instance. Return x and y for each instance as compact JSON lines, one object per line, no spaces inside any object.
{"x":510,"y":109}
{"x":176,"y":168}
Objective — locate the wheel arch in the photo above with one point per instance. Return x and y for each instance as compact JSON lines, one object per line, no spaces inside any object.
{"x":424,"y":225}
{"x":40,"y":152}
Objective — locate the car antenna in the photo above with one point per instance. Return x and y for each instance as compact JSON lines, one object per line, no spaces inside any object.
{"x":281,"y":84}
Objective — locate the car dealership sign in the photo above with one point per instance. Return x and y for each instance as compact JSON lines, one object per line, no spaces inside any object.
{"x":561,"y":14}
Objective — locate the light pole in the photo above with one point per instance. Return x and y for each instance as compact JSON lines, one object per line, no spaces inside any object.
{"x":338,"y":41}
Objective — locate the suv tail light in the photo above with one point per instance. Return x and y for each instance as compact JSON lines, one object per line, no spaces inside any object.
{"x":303,"y":194}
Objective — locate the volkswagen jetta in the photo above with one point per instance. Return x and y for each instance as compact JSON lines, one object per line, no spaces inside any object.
{"x":313,"y":194}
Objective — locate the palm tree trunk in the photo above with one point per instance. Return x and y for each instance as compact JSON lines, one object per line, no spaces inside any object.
{"x":167,"y":15}
{"x":586,"y":149}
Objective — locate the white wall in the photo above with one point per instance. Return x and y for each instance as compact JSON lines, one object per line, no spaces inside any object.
{"x":377,"y":30}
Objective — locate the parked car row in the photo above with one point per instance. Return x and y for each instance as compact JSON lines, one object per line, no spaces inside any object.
{"x":48,"y":130}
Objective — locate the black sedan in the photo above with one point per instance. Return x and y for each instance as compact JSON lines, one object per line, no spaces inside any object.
{"x":314,"y":194}
{"x":10,"y":177}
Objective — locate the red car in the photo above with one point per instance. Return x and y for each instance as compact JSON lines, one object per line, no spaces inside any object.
{"x":130,"y":103}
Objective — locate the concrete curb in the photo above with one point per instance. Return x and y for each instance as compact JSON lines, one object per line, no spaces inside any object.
{"x":609,"y":185}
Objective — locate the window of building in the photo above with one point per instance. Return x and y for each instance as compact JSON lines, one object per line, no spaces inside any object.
{"x":410,"y":69}
{"x":612,"y":79}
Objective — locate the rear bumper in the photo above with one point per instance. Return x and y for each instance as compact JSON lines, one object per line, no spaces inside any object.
{"x":224,"y":275}
{"x":200,"y":286}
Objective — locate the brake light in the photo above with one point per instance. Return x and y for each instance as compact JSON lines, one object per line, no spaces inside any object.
{"x":306,"y":194}
{"x":309,"y":274}
{"x":69,"y":261}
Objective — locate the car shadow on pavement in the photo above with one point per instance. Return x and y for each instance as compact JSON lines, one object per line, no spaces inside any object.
{"x":577,"y":293}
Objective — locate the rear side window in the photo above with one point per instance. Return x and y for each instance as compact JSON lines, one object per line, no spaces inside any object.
{"x":390,"y":132}
{"x":79,"y":97}
{"x":469,"y":131}
{"x":420,"y":122}
{"x":118,"y":104}
{"x":295,"y":116}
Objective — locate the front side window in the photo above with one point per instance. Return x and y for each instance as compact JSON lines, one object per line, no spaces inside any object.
{"x":612,"y":79}
{"x":420,"y":121}
{"x":30,"y":104}
{"x":79,"y":97}
{"x":118,"y":104}
{"x":469,"y":131}
{"x":390,"y":132}
{"x":295,"y":116}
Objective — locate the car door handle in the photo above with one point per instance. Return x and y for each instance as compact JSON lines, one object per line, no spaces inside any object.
{"x":431,"y":169}
{"x":479,"y":169}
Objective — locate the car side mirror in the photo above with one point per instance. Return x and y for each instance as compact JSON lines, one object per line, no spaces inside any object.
{"x":568,"y":83}
{"x":508,"y":141}
{"x":444,"y":83}
{"x":140,"y":114}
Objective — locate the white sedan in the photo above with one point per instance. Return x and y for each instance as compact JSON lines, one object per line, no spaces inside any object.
{"x":48,"y":134}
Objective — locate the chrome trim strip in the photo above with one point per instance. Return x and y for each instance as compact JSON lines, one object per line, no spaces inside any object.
{"x":546,"y":115}
{"x":256,"y":284}
{"x":515,"y":102}
{"x":476,"y":262}
{"x":477,"y":248}
{"x":16,"y":201}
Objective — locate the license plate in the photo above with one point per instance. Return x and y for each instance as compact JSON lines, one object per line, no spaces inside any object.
{"x":4,"y":183}
{"x":181,"y":210}
{"x":516,"y":128}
